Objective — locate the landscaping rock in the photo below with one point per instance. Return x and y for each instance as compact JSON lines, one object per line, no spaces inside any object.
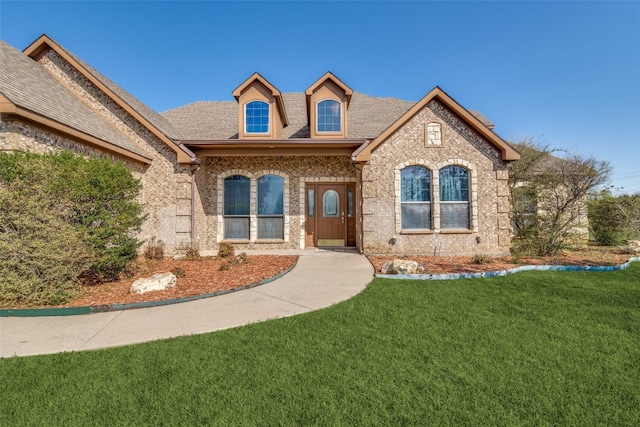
{"x":402,"y":266}
{"x":157,"y":282}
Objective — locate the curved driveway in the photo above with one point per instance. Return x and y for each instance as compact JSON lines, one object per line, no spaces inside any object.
{"x":319,"y":279}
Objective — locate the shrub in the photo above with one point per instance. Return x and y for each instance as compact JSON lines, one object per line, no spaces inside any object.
{"x":226,"y":251}
{"x":99,"y":199}
{"x":179,"y":272}
{"x":480,"y":259}
{"x":193,"y":254}
{"x":41,"y":253}
{"x":154,"y":249}
{"x":613,"y":220}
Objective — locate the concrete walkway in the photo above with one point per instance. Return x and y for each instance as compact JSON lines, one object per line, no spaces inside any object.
{"x":319,"y":279}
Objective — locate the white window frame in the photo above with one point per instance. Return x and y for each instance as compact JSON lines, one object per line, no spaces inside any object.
{"x":341,"y":117}
{"x":246,"y":131}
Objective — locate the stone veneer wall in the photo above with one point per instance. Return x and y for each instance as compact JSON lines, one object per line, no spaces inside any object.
{"x":166,"y":184}
{"x":295,"y":170}
{"x":460,"y":145}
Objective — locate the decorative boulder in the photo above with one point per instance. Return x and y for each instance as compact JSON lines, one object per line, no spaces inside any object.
{"x":402,"y":266}
{"x":158,"y":282}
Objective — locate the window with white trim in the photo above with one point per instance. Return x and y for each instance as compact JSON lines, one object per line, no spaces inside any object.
{"x":329,"y":116}
{"x":270,"y":207}
{"x":237,"y":206}
{"x":454,"y":198}
{"x":256,"y":117}
{"x":415,"y":198}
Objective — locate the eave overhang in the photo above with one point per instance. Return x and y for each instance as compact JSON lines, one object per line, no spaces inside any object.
{"x":44,"y":42}
{"x":283,"y":147}
{"x":507,"y":152}
{"x":9,"y":108}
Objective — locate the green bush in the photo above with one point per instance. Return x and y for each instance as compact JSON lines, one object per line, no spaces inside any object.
{"x":94,"y":204}
{"x":41,"y":253}
{"x":613,"y":220}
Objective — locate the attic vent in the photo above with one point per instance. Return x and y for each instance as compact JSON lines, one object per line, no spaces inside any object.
{"x":433,"y":134}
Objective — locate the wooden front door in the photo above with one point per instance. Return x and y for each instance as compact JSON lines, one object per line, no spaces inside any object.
{"x":330,"y":215}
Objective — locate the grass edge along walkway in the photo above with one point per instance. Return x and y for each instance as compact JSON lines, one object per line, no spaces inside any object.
{"x":536,"y":348}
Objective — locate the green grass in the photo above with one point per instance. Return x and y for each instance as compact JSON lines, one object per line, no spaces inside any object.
{"x":539,"y":348}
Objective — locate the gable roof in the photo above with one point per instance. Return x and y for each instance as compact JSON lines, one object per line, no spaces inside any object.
{"x":151,"y":120}
{"x":28,"y":91}
{"x":507,"y":152}
{"x":274,"y":91}
{"x":327,"y":76}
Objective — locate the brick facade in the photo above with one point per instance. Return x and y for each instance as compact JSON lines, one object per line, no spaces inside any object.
{"x":413,"y":145}
{"x":180,"y":197}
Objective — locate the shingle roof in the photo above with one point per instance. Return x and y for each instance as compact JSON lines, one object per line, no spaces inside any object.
{"x":27,"y":85}
{"x":216,"y":120}
{"x":150,"y":115}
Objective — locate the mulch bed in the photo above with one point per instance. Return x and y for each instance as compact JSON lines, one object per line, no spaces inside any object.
{"x":211,"y":274}
{"x":442,"y":265}
{"x":200,"y":277}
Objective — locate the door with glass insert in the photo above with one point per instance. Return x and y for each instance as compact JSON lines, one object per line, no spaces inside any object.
{"x":331,"y":202}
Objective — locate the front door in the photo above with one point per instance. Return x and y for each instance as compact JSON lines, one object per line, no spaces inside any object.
{"x":330,"y":215}
{"x":331,"y":219}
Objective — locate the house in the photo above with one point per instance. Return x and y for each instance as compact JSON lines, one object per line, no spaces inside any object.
{"x":324,"y":167}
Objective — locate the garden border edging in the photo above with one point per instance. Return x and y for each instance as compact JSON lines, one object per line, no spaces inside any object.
{"x":453,"y":276}
{"x":73,"y":311}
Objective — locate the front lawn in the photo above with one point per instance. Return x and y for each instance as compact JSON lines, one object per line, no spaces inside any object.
{"x":538,"y":348}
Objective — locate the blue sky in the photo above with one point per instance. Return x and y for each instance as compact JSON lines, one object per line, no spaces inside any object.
{"x":566,"y":74}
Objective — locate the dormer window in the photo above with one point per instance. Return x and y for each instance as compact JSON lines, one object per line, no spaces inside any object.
{"x":256,"y":117}
{"x":329,"y":116}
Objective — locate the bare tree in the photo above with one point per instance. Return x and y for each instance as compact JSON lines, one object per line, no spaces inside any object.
{"x":549,"y":196}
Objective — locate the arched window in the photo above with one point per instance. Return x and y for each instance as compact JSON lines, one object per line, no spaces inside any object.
{"x":329,"y":116}
{"x":236,"y":207}
{"x":454,"y":198}
{"x":415,"y":198}
{"x":256,"y":117}
{"x":270,"y":207}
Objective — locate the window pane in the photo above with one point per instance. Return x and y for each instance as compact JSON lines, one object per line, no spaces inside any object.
{"x":330,"y":204}
{"x":311,"y":201}
{"x":350,"y":203}
{"x":415,"y":184}
{"x":270,"y":195}
{"x":236,"y":228}
{"x":454,"y":184}
{"x":270,"y":228}
{"x":454,"y":215}
{"x":416,"y":216}
{"x":236,"y":195}
{"x":256,"y":117}
{"x":328,"y":116}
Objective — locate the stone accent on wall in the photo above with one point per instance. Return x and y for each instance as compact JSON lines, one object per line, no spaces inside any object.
{"x":462,"y":146}
{"x":461,"y":128}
